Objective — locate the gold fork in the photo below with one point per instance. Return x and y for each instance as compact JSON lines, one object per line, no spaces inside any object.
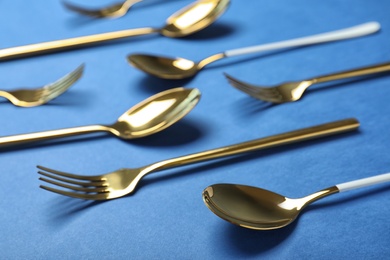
{"x":112,"y":11}
{"x":293,"y":91}
{"x":124,"y":181}
{"x":40,"y":96}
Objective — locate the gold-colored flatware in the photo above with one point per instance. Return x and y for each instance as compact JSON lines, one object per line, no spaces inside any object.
{"x":147,"y":117}
{"x":180,"y":68}
{"x":293,"y":91}
{"x":124,"y":181}
{"x":186,"y":21}
{"x":28,"y":97}
{"x":115,"y":10}
{"x":260,"y":209}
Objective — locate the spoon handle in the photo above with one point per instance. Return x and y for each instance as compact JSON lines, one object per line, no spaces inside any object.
{"x":346,"y":186}
{"x":47,"y":135}
{"x":263,"y":143}
{"x":348,"y":33}
{"x":71,"y":43}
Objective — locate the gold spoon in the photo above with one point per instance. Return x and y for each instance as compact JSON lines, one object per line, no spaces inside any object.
{"x":148,"y":117}
{"x":112,"y":11}
{"x":180,"y":68}
{"x":260,"y":209}
{"x":186,"y":21}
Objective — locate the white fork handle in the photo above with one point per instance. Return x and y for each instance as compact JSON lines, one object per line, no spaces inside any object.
{"x":352,"y":32}
{"x":346,"y":186}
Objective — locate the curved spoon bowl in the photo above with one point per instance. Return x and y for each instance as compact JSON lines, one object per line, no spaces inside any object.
{"x":194,"y":17}
{"x":248,"y":206}
{"x":156,"y":113}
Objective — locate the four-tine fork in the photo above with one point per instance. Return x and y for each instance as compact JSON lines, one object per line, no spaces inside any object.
{"x":124,"y":181}
{"x":293,"y":91}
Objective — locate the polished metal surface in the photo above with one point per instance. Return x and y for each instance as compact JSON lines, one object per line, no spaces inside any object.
{"x":186,"y":21}
{"x":293,"y":91}
{"x":148,"y":117}
{"x":115,"y":10}
{"x":35,"y":97}
{"x":180,"y":68}
{"x":256,"y":208}
{"x":124,"y":181}
{"x":170,"y":68}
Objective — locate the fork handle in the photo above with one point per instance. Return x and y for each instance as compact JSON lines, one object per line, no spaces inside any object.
{"x":48,"y":135}
{"x":71,"y":43}
{"x":380,"y":68}
{"x":343,"y":34}
{"x":263,"y":143}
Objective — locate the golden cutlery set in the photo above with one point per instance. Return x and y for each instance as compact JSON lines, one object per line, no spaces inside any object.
{"x":242,"y":205}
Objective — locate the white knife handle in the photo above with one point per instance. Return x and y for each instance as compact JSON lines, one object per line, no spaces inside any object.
{"x":352,"y":32}
{"x":346,"y":186}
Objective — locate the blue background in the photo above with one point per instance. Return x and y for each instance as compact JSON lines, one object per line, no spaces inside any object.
{"x":166,"y":217}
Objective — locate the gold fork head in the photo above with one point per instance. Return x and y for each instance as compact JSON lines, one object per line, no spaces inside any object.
{"x":283,"y":93}
{"x":101,"y":187}
{"x":115,"y":10}
{"x":40,"y":96}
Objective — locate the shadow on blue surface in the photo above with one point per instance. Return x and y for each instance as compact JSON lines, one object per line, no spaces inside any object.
{"x":254,"y":242}
{"x":63,"y":210}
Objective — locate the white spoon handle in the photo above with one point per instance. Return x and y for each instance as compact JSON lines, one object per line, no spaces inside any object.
{"x":346,"y":186}
{"x":352,"y":32}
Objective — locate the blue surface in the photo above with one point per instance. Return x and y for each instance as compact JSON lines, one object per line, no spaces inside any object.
{"x":166,"y":217}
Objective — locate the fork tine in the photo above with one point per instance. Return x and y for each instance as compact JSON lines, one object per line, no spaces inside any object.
{"x":55,"y":89}
{"x":80,"y":10}
{"x":265,"y":94}
{"x":70,"y":175}
{"x":74,"y":188}
{"x":248,"y":87}
{"x":86,"y":196}
{"x":74,"y":182}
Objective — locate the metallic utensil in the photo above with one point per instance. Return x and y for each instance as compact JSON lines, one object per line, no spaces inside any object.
{"x":260,"y":209}
{"x":293,"y":91}
{"x":179,"y":68}
{"x":147,"y":117}
{"x":123,"y":181}
{"x":115,"y":10}
{"x":186,"y":21}
{"x":27,"y":97}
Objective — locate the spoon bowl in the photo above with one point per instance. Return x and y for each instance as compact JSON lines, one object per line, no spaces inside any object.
{"x":250,"y":207}
{"x":164,"y":67}
{"x":194,"y":17}
{"x":261,"y":209}
{"x":155,"y":113}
